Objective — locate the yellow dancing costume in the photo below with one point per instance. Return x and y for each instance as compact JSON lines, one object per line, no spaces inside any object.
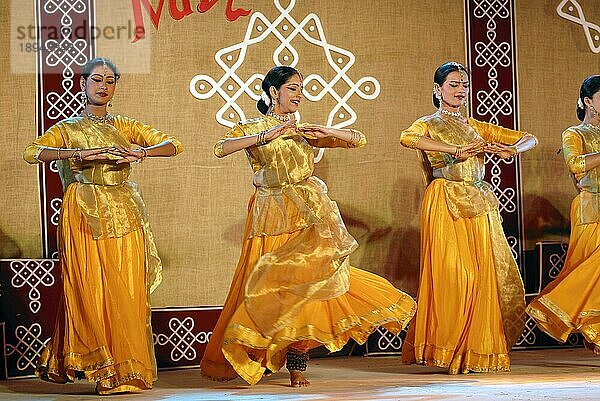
{"x":571,"y":302}
{"x":109,"y":263}
{"x":471,"y":298}
{"x":294,"y":288}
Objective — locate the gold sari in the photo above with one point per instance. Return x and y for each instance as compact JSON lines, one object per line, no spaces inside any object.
{"x":471,"y":298}
{"x":293,"y":287}
{"x":109,"y":263}
{"x":571,"y":302}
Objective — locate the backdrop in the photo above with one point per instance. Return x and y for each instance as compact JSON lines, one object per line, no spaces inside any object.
{"x":366,"y":65}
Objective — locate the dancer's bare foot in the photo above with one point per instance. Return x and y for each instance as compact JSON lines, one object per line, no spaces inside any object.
{"x":297,"y":379}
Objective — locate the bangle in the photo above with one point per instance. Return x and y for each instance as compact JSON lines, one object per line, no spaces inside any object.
{"x":261,"y":138}
{"x":515,"y":150}
{"x":458,"y":152}
{"x":77,"y":155}
{"x":354,"y":137}
{"x":144,"y":155}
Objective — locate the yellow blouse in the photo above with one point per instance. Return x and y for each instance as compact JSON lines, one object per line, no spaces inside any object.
{"x":467,"y":194}
{"x":578,"y":142}
{"x":111,"y":204}
{"x":288,"y":196}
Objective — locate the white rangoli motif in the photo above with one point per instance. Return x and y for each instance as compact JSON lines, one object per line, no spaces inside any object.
{"x":285,"y":29}
{"x":571,"y":10}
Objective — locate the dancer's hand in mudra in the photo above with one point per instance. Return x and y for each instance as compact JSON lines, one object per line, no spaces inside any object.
{"x":129,"y":155}
{"x":501,"y":150}
{"x":280,"y":129}
{"x":470,"y":149}
{"x":315,"y":130}
{"x":103,"y":153}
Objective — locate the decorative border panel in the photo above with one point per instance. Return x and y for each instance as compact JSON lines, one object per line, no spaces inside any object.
{"x":29,"y":294}
{"x":384,"y":342}
{"x":493,"y":98}
{"x":65,"y":43}
{"x":181,"y":334}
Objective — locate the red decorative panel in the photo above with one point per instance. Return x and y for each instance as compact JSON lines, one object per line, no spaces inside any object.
{"x":492,"y":61}
{"x":65,"y":43}
{"x":29,"y":295}
{"x":181,"y":334}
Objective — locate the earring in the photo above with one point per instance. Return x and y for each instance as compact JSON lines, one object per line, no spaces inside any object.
{"x":84,"y":97}
{"x":109,"y":103}
{"x":593,"y":110}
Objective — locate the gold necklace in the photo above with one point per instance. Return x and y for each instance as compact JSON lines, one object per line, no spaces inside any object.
{"x":284,"y":118}
{"x":105,"y":119}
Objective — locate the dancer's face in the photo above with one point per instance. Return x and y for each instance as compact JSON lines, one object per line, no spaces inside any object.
{"x":455,"y":89}
{"x":100,"y":85}
{"x":288,"y":96}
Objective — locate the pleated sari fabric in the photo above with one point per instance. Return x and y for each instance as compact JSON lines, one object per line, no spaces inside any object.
{"x":294,"y":288}
{"x":571,"y":302}
{"x":109,"y":263}
{"x":471,"y":296}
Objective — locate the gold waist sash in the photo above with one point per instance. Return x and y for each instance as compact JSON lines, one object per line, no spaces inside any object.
{"x":469,"y":199}
{"x":111,"y":210}
{"x":102,"y":174}
{"x":589,"y":207}
{"x":290,"y":207}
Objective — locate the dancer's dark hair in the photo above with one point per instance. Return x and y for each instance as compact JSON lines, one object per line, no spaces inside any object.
{"x":276,"y":77}
{"x":88,"y":67}
{"x":589,"y":87}
{"x":440,"y":75}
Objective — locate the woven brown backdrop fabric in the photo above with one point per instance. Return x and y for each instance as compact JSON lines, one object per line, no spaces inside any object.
{"x":197,"y":202}
{"x":19,"y":208}
{"x":554,"y":58}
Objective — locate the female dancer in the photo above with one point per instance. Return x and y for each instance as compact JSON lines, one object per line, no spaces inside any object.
{"x":471,"y":297}
{"x":294,"y":288}
{"x":571,"y":303}
{"x":106,"y":249}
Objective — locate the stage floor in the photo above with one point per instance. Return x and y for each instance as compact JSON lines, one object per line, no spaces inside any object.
{"x":558,"y":374}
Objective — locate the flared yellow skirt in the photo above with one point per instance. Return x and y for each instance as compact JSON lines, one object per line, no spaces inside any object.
{"x":101,"y":332}
{"x":571,"y":302}
{"x":239,"y":348}
{"x":458,"y":324}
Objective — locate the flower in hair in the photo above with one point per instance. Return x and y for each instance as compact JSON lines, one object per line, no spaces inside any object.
{"x":265,"y":98}
{"x":580,"y":104}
